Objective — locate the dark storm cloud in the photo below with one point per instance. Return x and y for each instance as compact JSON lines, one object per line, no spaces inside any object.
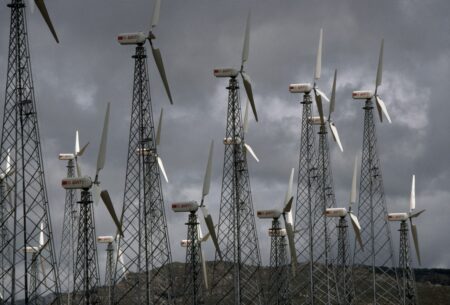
{"x":75,"y":79}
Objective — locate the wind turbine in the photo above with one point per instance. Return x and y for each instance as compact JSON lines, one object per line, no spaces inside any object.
{"x":146,"y":246}
{"x":376,"y":272}
{"x":407,"y":279}
{"x":109,"y":280}
{"x":86,"y":279}
{"x":314,"y":194}
{"x":37,"y":260}
{"x":195,"y":258}
{"x":29,"y":201}
{"x":279,"y":280}
{"x":237,"y":238}
{"x":67,"y":253}
{"x":343,"y":267}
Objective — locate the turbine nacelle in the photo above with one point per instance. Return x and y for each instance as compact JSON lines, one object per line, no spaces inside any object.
{"x":264,"y":214}
{"x":277,"y":232}
{"x":300,"y":88}
{"x":105,"y":239}
{"x":66,"y":157}
{"x":315,"y":120}
{"x":185,"y":243}
{"x":336,"y":212}
{"x":397,"y":217}
{"x":225,"y":72}
{"x":145,"y":152}
{"x":189,"y":206}
{"x":362,"y":94}
{"x":83,"y":183}
{"x":137,"y":38}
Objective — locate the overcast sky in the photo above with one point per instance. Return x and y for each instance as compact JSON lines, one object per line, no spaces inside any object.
{"x":75,"y":79}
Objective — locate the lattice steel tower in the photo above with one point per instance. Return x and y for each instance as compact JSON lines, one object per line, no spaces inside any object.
{"x":25,"y":204}
{"x":236,"y":279}
{"x":69,"y":237}
{"x":146,"y":246}
{"x":109,"y":269}
{"x":374,"y":271}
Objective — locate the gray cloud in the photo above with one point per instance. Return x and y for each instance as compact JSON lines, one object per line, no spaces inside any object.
{"x":75,"y":79}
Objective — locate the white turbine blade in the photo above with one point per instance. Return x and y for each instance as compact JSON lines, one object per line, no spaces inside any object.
{"x":250,"y":150}
{"x":249,"y":91}
{"x":8,"y":163}
{"x":319,"y":107}
{"x":210,"y":225}
{"x":245,"y":48}
{"x":383,"y":108}
{"x":81,"y":152}
{"x":246,"y":117}
{"x":95,"y":194}
{"x":380,"y":66}
{"x":77,"y":143}
{"x":416,"y":242}
{"x":43,"y":9}
{"x":110,"y":207}
{"x":357,"y":229}
{"x":288,"y":195}
{"x":319,"y":57}
{"x":412,"y":201}
{"x":355,"y":177}
{"x":291,"y":240}
{"x":44,"y":274}
{"x":333,"y":96}
{"x":335,"y":134}
{"x":79,"y":174}
{"x":161,"y":167}
{"x":155,"y":17}
{"x":205,"y":271}
{"x":103,"y":142}
{"x":158,"y":131}
{"x":207,"y":178}
{"x":322,"y":95}
{"x":41,"y":236}
{"x":162,"y":72}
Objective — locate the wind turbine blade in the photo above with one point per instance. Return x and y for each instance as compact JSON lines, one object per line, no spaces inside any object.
{"x":380,"y":66}
{"x":250,"y":150}
{"x":43,"y":9}
{"x":44,"y":274}
{"x":161,"y":167}
{"x":32,"y":7}
{"x":210,"y":225}
{"x":207,"y":178}
{"x":103,"y":142}
{"x":81,"y":152}
{"x":8,"y":163}
{"x":109,"y":206}
{"x":415,"y":214}
{"x":121,"y":260}
{"x":382,"y":106}
{"x":335,"y":134}
{"x":319,"y":107}
{"x":77,"y":143}
{"x":158,"y":131}
{"x":287,"y":208}
{"x":357,"y":229}
{"x":41,"y":236}
{"x":318,"y":69}
{"x":249,"y":91}
{"x":155,"y":17}
{"x":162,"y":72}
{"x":78,"y":168}
{"x":333,"y":96}
{"x":416,"y":241}
{"x":325,"y":97}
{"x":412,"y":201}
{"x":246,"y":117}
{"x":96,"y":194}
{"x":288,"y":195}
{"x":355,"y":177}
{"x":205,"y":271}
{"x":291,"y":241}
{"x":245,"y":48}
